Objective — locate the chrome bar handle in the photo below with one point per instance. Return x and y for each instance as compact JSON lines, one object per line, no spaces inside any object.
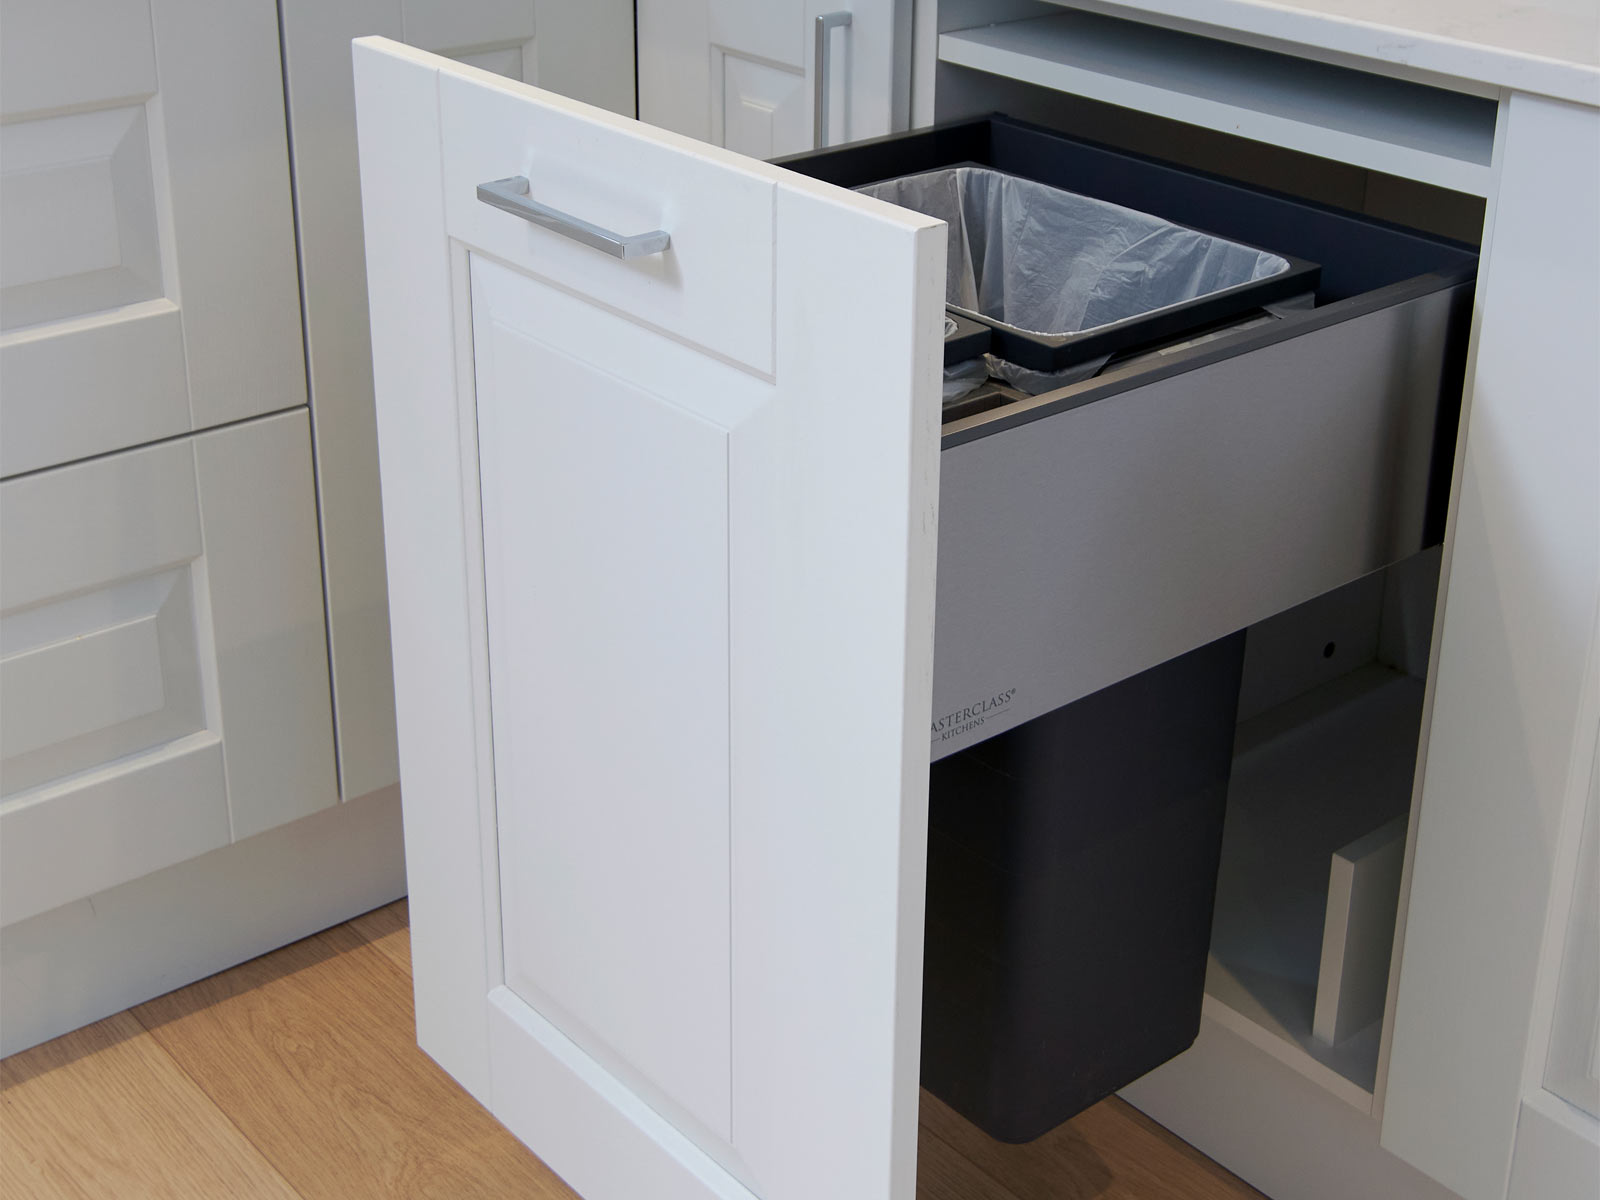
{"x":511,"y":195}
{"x":819,"y":77}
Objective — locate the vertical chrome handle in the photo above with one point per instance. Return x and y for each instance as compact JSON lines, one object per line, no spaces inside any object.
{"x":819,"y":76}
{"x":511,"y":195}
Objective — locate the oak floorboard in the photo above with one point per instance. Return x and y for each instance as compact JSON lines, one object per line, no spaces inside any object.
{"x":104,"y":1112}
{"x":388,"y":929}
{"x":311,"y":1052}
{"x":298,"y":1074}
{"x":1108,"y":1152}
{"x":943,"y":1174}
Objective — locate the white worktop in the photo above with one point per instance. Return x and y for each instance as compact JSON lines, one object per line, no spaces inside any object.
{"x":1549,"y":47}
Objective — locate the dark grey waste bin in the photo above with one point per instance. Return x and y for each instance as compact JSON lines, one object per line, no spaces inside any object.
{"x":1072,"y":865}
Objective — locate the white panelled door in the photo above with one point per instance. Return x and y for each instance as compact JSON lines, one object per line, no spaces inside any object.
{"x":583,"y":50}
{"x":163,"y":672}
{"x":147,"y":252}
{"x":660,"y":525}
{"x":746,"y":76}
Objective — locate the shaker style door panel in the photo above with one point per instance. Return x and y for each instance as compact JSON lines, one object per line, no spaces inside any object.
{"x":657,"y":912}
{"x":745,"y":76}
{"x":162,"y":681}
{"x":585,"y":50}
{"x":640,"y":480}
{"x":147,"y":274}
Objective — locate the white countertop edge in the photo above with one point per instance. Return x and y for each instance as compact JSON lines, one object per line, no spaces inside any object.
{"x":1415,"y":53}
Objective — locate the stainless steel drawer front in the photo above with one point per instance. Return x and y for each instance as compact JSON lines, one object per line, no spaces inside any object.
{"x":1080,"y":548}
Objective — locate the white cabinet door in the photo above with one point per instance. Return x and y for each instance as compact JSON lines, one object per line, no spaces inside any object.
{"x":660,"y":536}
{"x":745,"y":76}
{"x":584,"y":50}
{"x":163,"y":674}
{"x":147,"y":270}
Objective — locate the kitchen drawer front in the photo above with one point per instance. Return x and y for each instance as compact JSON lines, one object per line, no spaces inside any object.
{"x":711,"y":288}
{"x":163,"y":668}
{"x":147,"y":276}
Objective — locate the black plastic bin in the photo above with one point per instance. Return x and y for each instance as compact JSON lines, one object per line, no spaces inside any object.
{"x":1072,"y":866}
{"x":964,"y":339}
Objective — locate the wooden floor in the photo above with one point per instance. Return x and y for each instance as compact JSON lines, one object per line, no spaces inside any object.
{"x":296,"y":1075}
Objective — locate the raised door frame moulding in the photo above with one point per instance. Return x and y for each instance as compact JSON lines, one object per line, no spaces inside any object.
{"x":194,"y":195}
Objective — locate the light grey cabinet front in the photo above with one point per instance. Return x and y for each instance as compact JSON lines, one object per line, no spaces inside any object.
{"x":147,"y":273}
{"x":163,"y":669}
{"x":581,"y":50}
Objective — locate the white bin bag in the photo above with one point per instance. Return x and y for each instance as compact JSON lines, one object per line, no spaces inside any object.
{"x":1039,"y":260}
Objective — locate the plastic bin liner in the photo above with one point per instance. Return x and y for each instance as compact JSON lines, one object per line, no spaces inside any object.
{"x":962,"y":378}
{"x":1043,"y":261}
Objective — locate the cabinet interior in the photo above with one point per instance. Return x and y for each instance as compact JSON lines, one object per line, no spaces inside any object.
{"x":1319,"y":803}
{"x":1331,"y":707}
{"x":963,"y":91}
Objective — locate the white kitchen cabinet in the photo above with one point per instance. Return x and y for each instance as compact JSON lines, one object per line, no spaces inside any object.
{"x":582,"y":50}
{"x":148,"y":281}
{"x":747,"y":76}
{"x":599,"y":1060}
{"x":164,"y":682}
{"x":161,"y":760}
{"x":164,"y":656}
{"x":164,"y":674}
{"x":777,"y":1053}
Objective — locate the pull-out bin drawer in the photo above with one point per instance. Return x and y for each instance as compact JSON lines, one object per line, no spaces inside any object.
{"x":1101,"y":547}
{"x":1188,"y":490}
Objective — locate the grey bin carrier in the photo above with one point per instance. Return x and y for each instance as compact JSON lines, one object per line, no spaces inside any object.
{"x":1101,"y":548}
{"x":964,"y":339}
